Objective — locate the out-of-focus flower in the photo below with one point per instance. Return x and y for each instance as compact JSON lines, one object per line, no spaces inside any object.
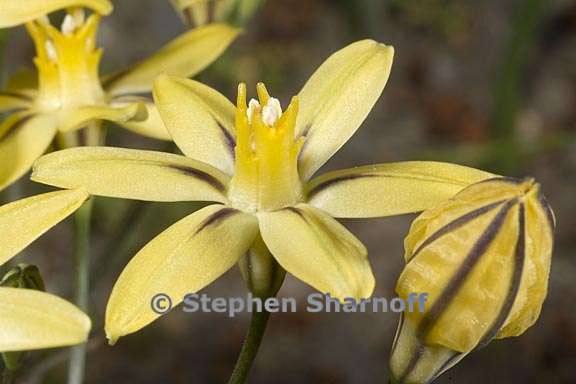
{"x":201,"y":12}
{"x":31,"y":319}
{"x":256,"y":161}
{"x":16,"y":12}
{"x":70,"y":94}
{"x":483,"y":257}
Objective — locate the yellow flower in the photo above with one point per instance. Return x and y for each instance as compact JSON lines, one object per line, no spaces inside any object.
{"x":31,"y":319}
{"x":256,"y":161}
{"x":483,"y":258}
{"x":70,"y":94}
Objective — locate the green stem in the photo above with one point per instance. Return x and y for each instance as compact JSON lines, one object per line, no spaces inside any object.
{"x":508,"y":91}
{"x":120,"y":244}
{"x":82,"y":259}
{"x":250,"y":347}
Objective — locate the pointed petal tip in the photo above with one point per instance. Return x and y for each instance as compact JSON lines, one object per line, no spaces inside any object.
{"x":112,"y":337}
{"x":87,"y":327}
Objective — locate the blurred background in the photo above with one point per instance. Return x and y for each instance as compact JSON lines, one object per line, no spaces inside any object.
{"x":489,"y":84}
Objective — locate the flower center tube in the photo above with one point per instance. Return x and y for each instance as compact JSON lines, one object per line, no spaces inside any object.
{"x":266,"y":167}
{"x":67,"y":60}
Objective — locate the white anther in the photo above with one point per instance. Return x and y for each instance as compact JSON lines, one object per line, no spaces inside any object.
{"x":68,"y":25}
{"x":252,"y":106}
{"x":271,"y":112}
{"x":79,"y":16}
{"x":51,"y":50}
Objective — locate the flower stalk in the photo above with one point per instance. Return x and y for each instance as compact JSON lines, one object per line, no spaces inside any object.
{"x":250,"y":347}
{"x":264,"y":277}
{"x":82,"y":220}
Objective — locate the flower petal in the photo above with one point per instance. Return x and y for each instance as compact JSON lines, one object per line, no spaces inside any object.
{"x":318,"y":250}
{"x":32,"y":319}
{"x":16,"y":12}
{"x":23,"y":221}
{"x":152,"y":126}
{"x":200,"y":120}
{"x":13,"y":101}
{"x":131,"y":174}
{"x":23,"y":138}
{"x":337,"y":99}
{"x":390,"y":189}
{"x":183,"y":259}
{"x":76,"y":118}
{"x":186,"y":56}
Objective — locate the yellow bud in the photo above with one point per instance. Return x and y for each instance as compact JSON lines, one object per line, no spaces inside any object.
{"x":483,"y":258}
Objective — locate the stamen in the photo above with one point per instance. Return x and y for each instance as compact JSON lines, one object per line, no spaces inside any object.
{"x":51,"y":51}
{"x":271,"y":112}
{"x":68,"y":25}
{"x":79,"y":16}
{"x":252,"y":106}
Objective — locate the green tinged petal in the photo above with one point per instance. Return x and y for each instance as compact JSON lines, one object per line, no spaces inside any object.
{"x":337,"y":99}
{"x":411,"y":362}
{"x":200,"y":120}
{"x":183,"y":259}
{"x":24,"y":137}
{"x":31,"y":319}
{"x":16,"y":12}
{"x":318,"y":250}
{"x":185,"y":56}
{"x":132,"y":174}
{"x":23,"y":221}
{"x":389,"y":189}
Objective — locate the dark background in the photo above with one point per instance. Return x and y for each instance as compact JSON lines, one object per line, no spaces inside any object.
{"x":490,"y":84}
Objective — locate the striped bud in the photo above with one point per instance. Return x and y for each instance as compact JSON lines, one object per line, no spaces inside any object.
{"x":483,"y":257}
{"x":23,"y":276}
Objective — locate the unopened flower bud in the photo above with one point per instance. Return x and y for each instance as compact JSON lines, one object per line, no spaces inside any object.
{"x":23,"y":276}
{"x":483,"y":257}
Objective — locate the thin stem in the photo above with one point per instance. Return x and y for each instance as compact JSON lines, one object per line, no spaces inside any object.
{"x":508,"y":91}
{"x":120,"y":243}
{"x":82,"y":259}
{"x":250,"y":347}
